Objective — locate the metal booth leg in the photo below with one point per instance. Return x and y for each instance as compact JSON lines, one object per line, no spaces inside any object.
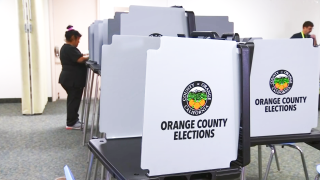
{"x":103,"y":169}
{"x":94,"y":108}
{"x":269,"y":163}
{"x":88,"y":111}
{"x":94,"y":112}
{"x":302,"y":159}
{"x":89,"y":167}
{"x":103,"y":172}
{"x":276,"y":157}
{"x":96,"y":133}
{"x":95,"y":169}
{"x":96,"y":129}
{"x":243,"y":173}
{"x":84,"y":98}
{"x":260,"y":162}
{"x":87,"y":98}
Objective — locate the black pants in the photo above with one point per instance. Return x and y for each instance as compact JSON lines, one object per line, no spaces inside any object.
{"x":73,"y":104}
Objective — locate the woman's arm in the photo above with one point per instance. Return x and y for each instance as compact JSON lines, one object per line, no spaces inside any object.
{"x":83,"y":59}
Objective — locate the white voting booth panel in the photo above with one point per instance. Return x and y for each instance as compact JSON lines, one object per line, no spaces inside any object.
{"x":218,"y":24}
{"x":114,"y":26}
{"x":284,"y":87}
{"x":123,"y":84}
{"x":91,"y":40}
{"x":144,"y":20}
{"x":98,"y":39}
{"x":319,"y":66}
{"x":180,"y":69}
{"x":105,"y":32}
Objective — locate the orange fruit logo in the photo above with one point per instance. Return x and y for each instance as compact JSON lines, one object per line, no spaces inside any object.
{"x":281,"y":82}
{"x":196,"y":98}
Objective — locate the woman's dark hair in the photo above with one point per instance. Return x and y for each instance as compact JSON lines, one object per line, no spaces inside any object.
{"x":71,"y":32}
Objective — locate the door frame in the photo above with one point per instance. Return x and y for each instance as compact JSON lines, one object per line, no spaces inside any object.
{"x":52,"y":55}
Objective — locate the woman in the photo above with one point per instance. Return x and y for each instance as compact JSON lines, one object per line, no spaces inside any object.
{"x":73,"y":75}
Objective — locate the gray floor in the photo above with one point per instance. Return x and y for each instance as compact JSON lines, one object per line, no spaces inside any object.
{"x":38,"y":147}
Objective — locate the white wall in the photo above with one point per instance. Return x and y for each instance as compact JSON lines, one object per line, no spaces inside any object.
{"x":260,"y":18}
{"x":106,"y":7}
{"x":61,"y":16}
{"x":252,"y":18}
{"x":10,"y":68}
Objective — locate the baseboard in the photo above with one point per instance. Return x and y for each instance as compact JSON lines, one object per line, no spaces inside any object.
{"x":10,"y":100}
{"x":17,"y":100}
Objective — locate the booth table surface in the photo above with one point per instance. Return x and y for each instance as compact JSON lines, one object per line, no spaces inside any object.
{"x":120,"y":156}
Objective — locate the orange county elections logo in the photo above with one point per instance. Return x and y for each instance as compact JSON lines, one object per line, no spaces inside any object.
{"x":196,"y":98}
{"x":281,"y":82}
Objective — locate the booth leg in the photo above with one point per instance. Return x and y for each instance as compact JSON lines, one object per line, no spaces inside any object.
{"x":84,"y":98}
{"x":103,"y":171}
{"x":110,"y":177}
{"x":96,"y":133}
{"x":89,"y":167}
{"x":88,"y":158}
{"x":276,"y":157}
{"x":83,"y":105}
{"x":269,"y":163}
{"x":88,"y":111}
{"x":95,"y":170}
{"x":94,"y":108}
{"x":94,"y":113}
{"x":260,"y":162}
{"x":302,"y":159}
{"x":243,"y":173}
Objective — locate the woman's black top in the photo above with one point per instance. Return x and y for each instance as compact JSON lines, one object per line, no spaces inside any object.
{"x":73,"y":74}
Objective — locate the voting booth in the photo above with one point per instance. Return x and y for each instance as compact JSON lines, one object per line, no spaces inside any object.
{"x":284,"y":111}
{"x":156,"y":108}
{"x":185,"y":115}
{"x":154,"y":101}
{"x":165,"y":99}
{"x":188,"y":107}
{"x":284,"y":87}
